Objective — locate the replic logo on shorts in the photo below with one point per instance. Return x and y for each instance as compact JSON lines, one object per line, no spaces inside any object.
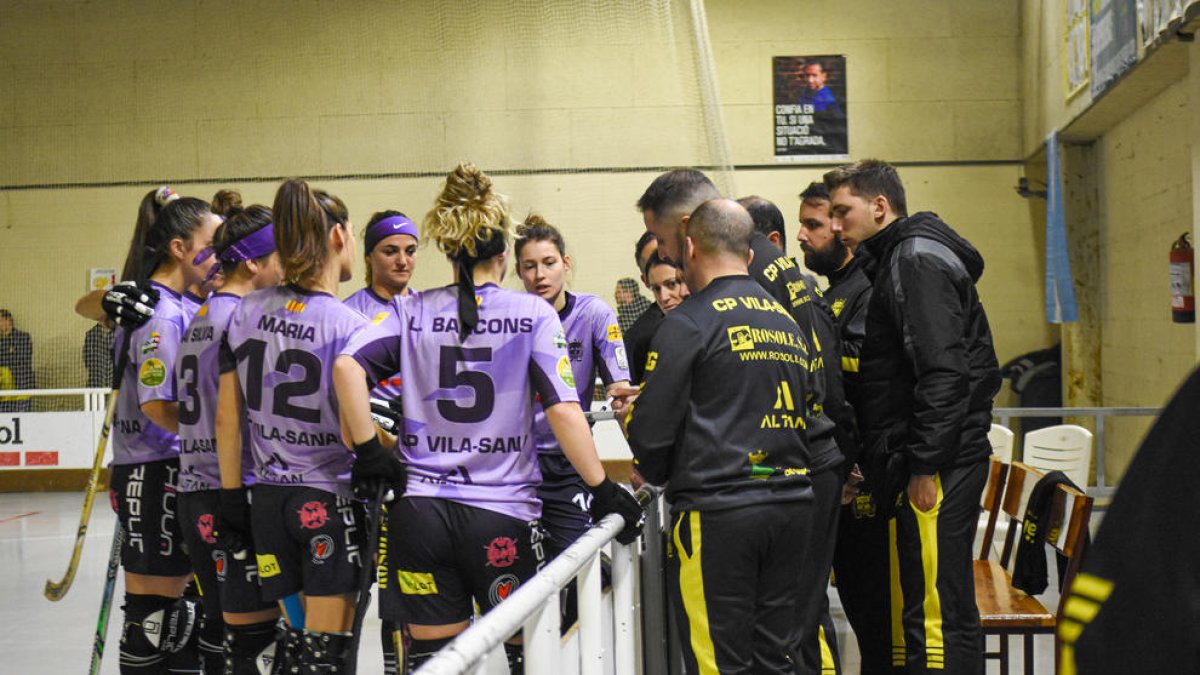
{"x":502,"y":552}
{"x":313,"y":515}
{"x":502,"y":587}
{"x":321,"y":547}
{"x":219,"y":563}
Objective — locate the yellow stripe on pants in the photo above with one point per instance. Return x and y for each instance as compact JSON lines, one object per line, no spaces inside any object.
{"x":691,"y":590}
{"x":827,"y":663}
{"x":897,"y":595}
{"x":935,"y":648}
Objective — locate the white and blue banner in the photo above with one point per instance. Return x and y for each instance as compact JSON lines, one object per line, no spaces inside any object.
{"x":1060,"y":292}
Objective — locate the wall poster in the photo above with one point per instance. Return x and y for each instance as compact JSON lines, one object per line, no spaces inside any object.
{"x":810,"y":108}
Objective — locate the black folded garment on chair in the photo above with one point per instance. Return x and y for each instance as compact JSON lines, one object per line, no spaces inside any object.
{"x":1029,"y":572}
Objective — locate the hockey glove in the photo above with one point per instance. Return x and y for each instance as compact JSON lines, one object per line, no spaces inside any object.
{"x":375,"y":465}
{"x":233,"y":522}
{"x":608,"y":497}
{"x":129,"y":304}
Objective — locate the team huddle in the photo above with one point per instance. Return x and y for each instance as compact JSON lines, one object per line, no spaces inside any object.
{"x":265,"y":430}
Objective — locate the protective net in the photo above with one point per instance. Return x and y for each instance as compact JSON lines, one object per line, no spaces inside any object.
{"x":572,"y":107}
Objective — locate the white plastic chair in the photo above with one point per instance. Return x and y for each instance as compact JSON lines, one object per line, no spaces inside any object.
{"x":1066,"y":448}
{"x":1001,"y":438}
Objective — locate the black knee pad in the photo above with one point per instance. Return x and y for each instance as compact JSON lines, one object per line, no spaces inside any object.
{"x":289,"y":643}
{"x":249,"y":649}
{"x":516,"y":658}
{"x":420,"y":651}
{"x":325,"y":653}
{"x":210,"y":644}
{"x":155,"y":627}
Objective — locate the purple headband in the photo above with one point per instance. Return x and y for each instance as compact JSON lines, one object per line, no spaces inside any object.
{"x":254,"y":245}
{"x":387,"y":227}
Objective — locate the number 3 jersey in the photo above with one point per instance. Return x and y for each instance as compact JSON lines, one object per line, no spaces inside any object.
{"x":282,"y":341}
{"x":197,"y":376}
{"x":468,"y":406}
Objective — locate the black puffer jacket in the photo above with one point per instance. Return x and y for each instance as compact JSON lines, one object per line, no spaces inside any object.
{"x":928,"y":369}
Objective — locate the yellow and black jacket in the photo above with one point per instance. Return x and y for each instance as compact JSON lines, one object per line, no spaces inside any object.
{"x":831,"y":422}
{"x":721,"y":417}
{"x":928,"y":367}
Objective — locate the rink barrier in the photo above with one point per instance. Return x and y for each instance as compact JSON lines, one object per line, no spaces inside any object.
{"x":610,"y":625}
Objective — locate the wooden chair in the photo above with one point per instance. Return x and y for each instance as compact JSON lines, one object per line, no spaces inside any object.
{"x":1005,"y":611}
{"x":993,"y":494}
{"x":1065,"y":447}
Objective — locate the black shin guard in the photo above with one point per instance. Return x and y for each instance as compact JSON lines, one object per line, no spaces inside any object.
{"x":516,"y":658}
{"x":325,"y":653}
{"x":421,"y":651}
{"x":212,"y":655}
{"x":289,"y":642}
{"x":249,"y":649}
{"x":158,"y":629}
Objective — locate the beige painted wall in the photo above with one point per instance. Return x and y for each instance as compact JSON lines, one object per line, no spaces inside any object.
{"x":385,"y":95}
{"x":1146,"y":201}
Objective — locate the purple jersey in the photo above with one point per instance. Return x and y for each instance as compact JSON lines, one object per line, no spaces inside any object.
{"x":468,"y":436}
{"x":593,"y":344}
{"x":283,"y":342}
{"x":149,"y":376}
{"x":198,"y":376}
{"x":191,"y":305}
{"x":370,"y":304}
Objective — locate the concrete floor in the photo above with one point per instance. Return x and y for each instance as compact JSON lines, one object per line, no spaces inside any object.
{"x":36,"y":534}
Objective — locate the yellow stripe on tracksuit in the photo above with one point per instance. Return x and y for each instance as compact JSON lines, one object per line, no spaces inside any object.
{"x":927,"y":527}
{"x":691,"y":589}
{"x":849,"y":364}
{"x":897,"y":597}
{"x":1088,"y":593}
{"x":827,"y":663}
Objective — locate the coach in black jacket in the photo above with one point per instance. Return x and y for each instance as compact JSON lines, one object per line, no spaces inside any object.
{"x":928,"y":374}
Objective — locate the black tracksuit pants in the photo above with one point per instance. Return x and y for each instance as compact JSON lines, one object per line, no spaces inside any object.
{"x":941,"y":621}
{"x":732,"y":579}
{"x":817,"y":643}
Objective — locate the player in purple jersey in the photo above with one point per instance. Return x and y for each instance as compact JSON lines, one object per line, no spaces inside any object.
{"x":390,"y":252}
{"x":466,"y":528}
{"x":594,"y":345}
{"x":308,"y":531}
{"x":159,"y":627}
{"x":238,"y":625}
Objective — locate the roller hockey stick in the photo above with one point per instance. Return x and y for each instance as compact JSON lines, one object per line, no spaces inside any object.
{"x":110,"y":583}
{"x":374,"y":516}
{"x":55,"y":590}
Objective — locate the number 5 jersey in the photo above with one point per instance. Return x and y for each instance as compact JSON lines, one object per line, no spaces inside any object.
{"x":468,"y":406}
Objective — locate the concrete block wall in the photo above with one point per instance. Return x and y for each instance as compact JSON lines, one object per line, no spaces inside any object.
{"x":101,"y":101}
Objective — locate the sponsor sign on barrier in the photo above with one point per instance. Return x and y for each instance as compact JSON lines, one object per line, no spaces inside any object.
{"x":49,"y":440}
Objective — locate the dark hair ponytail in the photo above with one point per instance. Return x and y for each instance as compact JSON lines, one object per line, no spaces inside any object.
{"x":303,"y":218}
{"x":238,"y":223}
{"x":152,"y":203}
{"x":152,"y":236}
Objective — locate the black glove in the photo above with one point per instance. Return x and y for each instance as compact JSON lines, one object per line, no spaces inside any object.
{"x":387,"y":416}
{"x":233,"y":522}
{"x":130,"y":304}
{"x":375,"y":465}
{"x":608,"y":497}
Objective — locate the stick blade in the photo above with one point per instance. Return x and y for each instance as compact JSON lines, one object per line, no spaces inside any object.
{"x":56,"y":590}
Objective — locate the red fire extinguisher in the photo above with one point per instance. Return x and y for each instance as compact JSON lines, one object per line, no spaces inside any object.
{"x":1183,"y":298}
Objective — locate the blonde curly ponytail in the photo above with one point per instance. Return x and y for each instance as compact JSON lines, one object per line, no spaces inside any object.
{"x":467,"y":214}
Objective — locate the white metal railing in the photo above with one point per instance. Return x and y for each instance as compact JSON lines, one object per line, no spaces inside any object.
{"x":533,"y":610}
{"x":94,"y":398}
{"x":1098,"y":416}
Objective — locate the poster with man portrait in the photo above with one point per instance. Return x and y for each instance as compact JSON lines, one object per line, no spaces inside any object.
{"x":810,"y":108}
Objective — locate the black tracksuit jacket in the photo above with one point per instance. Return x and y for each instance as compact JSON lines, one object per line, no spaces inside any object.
{"x":928,"y":369}
{"x":721,"y":416}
